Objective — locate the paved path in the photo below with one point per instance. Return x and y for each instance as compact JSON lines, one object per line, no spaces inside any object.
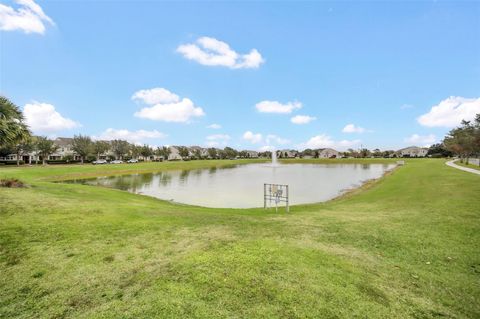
{"x":466,"y":169}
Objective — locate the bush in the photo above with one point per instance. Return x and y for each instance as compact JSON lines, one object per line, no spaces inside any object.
{"x":62,"y":161}
{"x":11,"y":183}
{"x":68,"y":158}
{"x":11,"y":162}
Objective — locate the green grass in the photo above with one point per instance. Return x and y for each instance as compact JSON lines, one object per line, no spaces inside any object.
{"x":406,"y":246}
{"x":469,"y":165}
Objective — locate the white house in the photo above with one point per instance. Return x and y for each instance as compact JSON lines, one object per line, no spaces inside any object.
{"x":413,"y":151}
{"x":287,"y":153}
{"x":65,"y":148}
{"x":252,"y":154}
{"x":328,"y":153}
{"x":174,"y":153}
{"x":194,"y":150}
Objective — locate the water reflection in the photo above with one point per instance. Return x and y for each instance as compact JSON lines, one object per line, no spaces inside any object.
{"x":242,"y":185}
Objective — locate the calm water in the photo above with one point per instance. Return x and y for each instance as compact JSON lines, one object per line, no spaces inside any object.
{"x":241,"y":186}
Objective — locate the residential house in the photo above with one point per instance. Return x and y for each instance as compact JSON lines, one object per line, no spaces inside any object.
{"x":65,"y":148}
{"x":252,"y":154}
{"x":413,"y":151}
{"x":327,"y":153}
{"x":194,"y":150}
{"x":174,"y":153}
{"x":287,"y":154}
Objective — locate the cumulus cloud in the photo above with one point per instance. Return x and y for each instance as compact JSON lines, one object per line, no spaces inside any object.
{"x":277,"y":107}
{"x":214,"y":126}
{"x":352,"y":128}
{"x":302,"y":119}
{"x":274,"y":139}
{"x":424,"y":140}
{"x":214,"y":137}
{"x":215,"y":140}
{"x":43,"y":118}
{"x":324,"y":141}
{"x":450,"y":112}
{"x":213,"y":52}
{"x":252,"y":137}
{"x":155,"y":96}
{"x":139,"y":136}
{"x":166,"y":106}
{"x":29,"y":17}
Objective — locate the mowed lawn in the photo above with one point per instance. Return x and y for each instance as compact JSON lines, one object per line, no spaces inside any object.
{"x":406,"y":246}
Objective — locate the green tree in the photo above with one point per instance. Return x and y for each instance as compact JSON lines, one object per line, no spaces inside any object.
{"x":100,"y":147}
{"x":82,"y":145}
{"x":439,"y":150}
{"x":163,"y":152}
{"x":364,"y":153}
{"x":45,"y":148}
{"x":212,"y":153}
{"x":146,"y":151}
{"x":461,"y":140}
{"x":25,"y":144}
{"x":13,"y":129}
{"x":377,"y":153}
{"x":120,"y":148}
{"x":197,"y":153}
{"x":230,"y":152}
{"x":183,"y":151}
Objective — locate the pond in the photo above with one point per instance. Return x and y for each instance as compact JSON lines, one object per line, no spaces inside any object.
{"x":241,"y":186}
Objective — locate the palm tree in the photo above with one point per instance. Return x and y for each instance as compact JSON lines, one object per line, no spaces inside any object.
{"x":12,"y":126}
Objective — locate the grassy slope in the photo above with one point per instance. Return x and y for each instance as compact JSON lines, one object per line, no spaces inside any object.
{"x":408,"y":246}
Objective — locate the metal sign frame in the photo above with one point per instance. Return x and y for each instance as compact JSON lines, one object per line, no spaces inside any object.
{"x":277,"y":193}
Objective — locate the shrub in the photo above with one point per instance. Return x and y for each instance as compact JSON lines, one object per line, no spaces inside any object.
{"x":9,"y":162}
{"x":11,"y":183}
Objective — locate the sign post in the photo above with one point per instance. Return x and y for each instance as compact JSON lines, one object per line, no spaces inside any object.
{"x":277,"y":193}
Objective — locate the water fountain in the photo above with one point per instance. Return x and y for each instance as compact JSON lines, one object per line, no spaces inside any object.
{"x":274,"y":158}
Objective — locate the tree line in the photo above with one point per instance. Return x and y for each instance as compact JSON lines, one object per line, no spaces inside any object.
{"x":16,"y":138}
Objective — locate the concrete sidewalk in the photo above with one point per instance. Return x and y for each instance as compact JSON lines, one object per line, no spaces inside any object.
{"x":466,"y":169}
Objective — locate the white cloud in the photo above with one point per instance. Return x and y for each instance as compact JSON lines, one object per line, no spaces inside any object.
{"x":166,"y":106}
{"x":324,"y":141}
{"x":274,"y":139}
{"x":136,"y":137}
{"x":351,"y":128}
{"x":212,"y":52}
{"x":42,"y":117}
{"x":277,"y":107}
{"x":218,"y":137}
{"x":214,"y":126}
{"x":450,"y":112}
{"x":302,"y":119}
{"x":155,"y":96}
{"x":29,"y":17}
{"x":217,"y":140}
{"x":425,"y":140}
{"x":252,"y":137}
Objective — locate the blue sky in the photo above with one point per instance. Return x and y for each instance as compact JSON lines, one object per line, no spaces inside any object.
{"x":377,"y":74}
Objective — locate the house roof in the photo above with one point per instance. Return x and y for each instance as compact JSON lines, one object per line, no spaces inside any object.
{"x":63,"y":141}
